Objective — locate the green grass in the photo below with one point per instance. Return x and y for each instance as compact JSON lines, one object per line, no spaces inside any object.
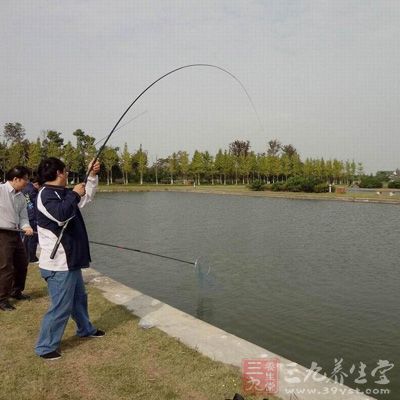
{"x":128,"y":363}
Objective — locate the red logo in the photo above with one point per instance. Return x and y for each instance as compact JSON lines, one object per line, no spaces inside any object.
{"x":260,"y":376}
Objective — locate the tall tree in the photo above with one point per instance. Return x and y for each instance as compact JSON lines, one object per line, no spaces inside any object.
{"x":53,"y":144}
{"x":172,"y":166}
{"x":34,"y":154}
{"x":219,"y":165}
{"x":197,"y":166}
{"x":228,"y":165}
{"x":16,"y":155}
{"x":86,"y":149}
{"x":109,"y":158}
{"x":274,"y":147}
{"x":126,"y":163}
{"x":183,"y":165}
{"x":141,"y":161}
{"x":360,"y":171}
{"x":337,"y":170}
{"x":208,"y":166}
{"x":3,"y":159}
{"x":14,"y":132}
{"x":245,"y":167}
{"x":72,"y":160}
{"x":286,"y":165}
{"x":289,"y":150}
{"x":239,"y":149}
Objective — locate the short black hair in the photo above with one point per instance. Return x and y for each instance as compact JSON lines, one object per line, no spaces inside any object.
{"x":34,"y":178}
{"x":47,"y":170}
{"x":19,"y":171}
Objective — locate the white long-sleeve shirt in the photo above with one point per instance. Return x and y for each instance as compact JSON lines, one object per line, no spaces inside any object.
{"x":13,"y":212}
{"x":55,"y":206}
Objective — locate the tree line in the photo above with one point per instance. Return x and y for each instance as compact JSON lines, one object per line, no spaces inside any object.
{"x":237,"y":164}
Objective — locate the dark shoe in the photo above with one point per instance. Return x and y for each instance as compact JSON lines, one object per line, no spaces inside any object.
{"x":98,"y":333}
{"x":6,"y":306}
{"x":20,"y":296}
{"x":53,"y":355}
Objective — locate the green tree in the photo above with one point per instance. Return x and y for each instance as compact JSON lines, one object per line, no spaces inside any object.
{"x":360,"y":171}
{"x":208,"y":166}
{"x":71,"y":159}
{"x":276,"y":169}
{"x":109,"y":158}
{"x":34,"y":154}
{"x":3,"y":159}
{"x":228,"y":165}
{"x":239,"y":150}
{"x":53,"y":144}
{"x":219,"y":165}
{"x":274,"y":147}
{"x":308,"y":168}
{"x":329,"y":171}
{"x":254,"y":165}
{"x":141,"y":160}
{"x":337,"y":171}
{"x":245,"y":167}
{"x":353,"y":168}
{"x":288,"y":150}
{"x":297,"y":165}
{"x":172,"y":166}
{"x":14,"y":132}
{"x":197,"y":166}
{"x":183,"y":165}
{"x":85,"y":148}
{"x":126,"y":163}
{"x":16,"y":155}
{"x":286,"y":166}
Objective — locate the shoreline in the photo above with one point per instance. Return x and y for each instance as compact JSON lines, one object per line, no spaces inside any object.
{"x":217,"y":344}
{"x":242,"y":191}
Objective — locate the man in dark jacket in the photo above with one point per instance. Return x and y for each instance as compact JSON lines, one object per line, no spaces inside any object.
{"x":30,"y":242}
{"x":55,"y":206}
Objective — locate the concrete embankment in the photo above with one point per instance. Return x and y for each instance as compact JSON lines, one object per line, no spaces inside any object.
{"x":294,"y":381}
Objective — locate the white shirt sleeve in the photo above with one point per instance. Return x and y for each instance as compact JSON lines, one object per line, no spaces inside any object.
{"x":91,"y":188}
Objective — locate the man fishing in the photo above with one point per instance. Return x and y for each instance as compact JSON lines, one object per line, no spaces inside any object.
{"x":55,"y":206}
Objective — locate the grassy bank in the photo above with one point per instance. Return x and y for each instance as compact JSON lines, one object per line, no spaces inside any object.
{"x":373,"y":197}
{"x":128,"y":363}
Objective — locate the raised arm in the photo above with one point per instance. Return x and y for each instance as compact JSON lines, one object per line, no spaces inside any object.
{"x":90,"y":188}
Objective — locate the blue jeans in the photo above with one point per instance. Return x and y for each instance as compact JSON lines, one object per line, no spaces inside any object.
{"x":68,"y":299}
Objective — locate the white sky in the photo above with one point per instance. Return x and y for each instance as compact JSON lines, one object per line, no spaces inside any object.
{"x":323,"y":75}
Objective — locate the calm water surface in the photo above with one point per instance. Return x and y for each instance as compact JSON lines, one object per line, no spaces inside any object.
{"x":309,"y":280}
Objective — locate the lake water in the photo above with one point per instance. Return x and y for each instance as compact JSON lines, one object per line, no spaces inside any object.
{"x":309,"y":280}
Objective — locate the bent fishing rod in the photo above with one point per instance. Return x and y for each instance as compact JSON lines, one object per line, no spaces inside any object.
{"x":57,"y":244}
{"x":194,"y":263}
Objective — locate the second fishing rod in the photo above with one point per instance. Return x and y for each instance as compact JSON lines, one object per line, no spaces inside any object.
{"x":194,"y":263}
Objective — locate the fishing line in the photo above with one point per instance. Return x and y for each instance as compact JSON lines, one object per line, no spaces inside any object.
{"x":57,"y":244}
{"x":122,"y":126}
